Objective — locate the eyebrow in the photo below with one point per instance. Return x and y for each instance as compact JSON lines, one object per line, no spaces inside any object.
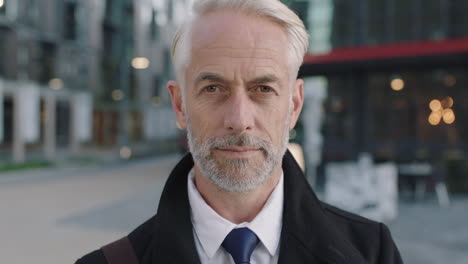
{"x":209,"y":76}
{"x":268,"y":78}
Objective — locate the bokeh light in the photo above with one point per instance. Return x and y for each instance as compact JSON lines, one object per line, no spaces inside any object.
{"x":56,"y":83}
{"x":447,"y":102}
{"x":125,"y":152}
{"x":449,"y":116}
{"x":140,"y":63}
{"x":117,"y":95}
{"x":434,"y":118}
{"x":435,"y":105}
{"x":450,"y":80}
{"x":397,"y":84}
{"x":156,"y":100}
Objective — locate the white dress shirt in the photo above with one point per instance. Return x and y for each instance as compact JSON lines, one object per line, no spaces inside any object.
{"x":210,"y":229}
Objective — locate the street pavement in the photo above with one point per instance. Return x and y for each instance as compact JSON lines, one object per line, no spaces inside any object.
{"x":428,"y":234}
{"x":57,"y":215}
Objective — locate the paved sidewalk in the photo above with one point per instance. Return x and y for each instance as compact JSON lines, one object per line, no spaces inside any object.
{"x":56,"y":216}
{"x":428,"y":234}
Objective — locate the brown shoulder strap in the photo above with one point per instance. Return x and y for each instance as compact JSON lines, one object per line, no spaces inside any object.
{"x":120,"y":252}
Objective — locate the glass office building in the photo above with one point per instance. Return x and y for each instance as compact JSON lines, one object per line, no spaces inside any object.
{"x":115,"y":51}
{"x":396,"y":77}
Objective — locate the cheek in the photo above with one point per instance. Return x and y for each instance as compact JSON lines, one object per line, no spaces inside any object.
{"x":203,"y":120}
{"x":272,"y":121}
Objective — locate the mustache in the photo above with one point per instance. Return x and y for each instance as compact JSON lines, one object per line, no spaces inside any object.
{"x":243,"y":140}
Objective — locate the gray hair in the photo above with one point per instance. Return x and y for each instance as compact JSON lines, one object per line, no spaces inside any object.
{"x":270,"y":9}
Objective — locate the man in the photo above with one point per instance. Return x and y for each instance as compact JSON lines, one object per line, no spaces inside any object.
{"x":240,"y":197}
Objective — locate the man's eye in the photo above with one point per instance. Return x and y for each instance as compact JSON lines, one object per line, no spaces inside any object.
{"x":211,"y":88}
{"x":264,"y":89}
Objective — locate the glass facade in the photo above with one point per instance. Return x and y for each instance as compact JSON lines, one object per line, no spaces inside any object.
{"x":397,"y":124}
{"x":342,"y":23}
{"x":399,"y":107}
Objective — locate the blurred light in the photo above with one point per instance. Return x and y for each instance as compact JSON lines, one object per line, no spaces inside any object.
{"x":449,"y":116}
{"x":2,"y":2}
{"x":298,"y":154}
{"x":447,"y":102}
{"x":434,"y":118}
{"x":435,"y":105}
{"x":140,"y":63}
{"x":337,"y":106}
{"x":397,"y":84}
{"x":450,"y":80}
{"x":178,"y":125}
{"x":55,"y":83}
{"x":156,"y":100}
{"x":125,"y":152}
{"x":117,"y":95}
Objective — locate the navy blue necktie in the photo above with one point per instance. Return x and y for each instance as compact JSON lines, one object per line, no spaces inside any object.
{"x":240,"y":243}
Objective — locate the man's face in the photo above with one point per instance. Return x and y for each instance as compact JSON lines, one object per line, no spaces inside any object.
{"x":240,"y":99}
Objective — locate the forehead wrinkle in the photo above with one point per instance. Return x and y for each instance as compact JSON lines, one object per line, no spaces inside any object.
{"x":240,"y":52}
{"x":208,"y":67}
{"x":216,"y":60}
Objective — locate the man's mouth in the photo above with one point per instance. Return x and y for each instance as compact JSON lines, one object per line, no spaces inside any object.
{"x":239,"y":152}
{"x":239,"y":149}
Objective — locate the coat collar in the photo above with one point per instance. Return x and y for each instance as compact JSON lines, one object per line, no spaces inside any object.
{"x":306,"y":236}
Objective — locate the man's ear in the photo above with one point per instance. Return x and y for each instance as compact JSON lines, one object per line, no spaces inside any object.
{"x":297,"y":102}
{"x":177,"y":104}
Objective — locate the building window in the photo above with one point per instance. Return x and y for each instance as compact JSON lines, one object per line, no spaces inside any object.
{"x":62,"y":127}
{"x":70,"y":25}
{"x":109,"y":10}
{"x":168,"y":64}
{"x":3,"y":52}
{"x":158,"y":82}
{"x":47,"y":62}
{"x":458,"y":18}
{"x":153,"y":26}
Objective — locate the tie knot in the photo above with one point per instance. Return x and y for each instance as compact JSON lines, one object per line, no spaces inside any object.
{"x":240,"y":243}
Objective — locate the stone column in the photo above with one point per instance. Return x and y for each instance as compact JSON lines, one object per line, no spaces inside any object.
{"x":74,"y":138}
{"x":2,"y":132}
{"x":50,"y":147}
{"x":18,"y":133}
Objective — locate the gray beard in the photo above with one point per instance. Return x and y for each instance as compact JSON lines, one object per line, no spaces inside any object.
{"x":242,"y":174}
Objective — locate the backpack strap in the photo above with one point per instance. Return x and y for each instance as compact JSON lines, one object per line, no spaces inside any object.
{"x":120,"y":252}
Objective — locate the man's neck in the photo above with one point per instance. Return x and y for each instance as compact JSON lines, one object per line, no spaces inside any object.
{"x":236,"y":207}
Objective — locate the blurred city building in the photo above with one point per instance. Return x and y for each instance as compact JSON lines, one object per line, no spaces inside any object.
{"x":385,"y":77}
{"x":85,"y":72}
{"x":395,"y":75}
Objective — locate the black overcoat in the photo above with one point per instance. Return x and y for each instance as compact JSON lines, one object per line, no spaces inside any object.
{"x":312,"y":232}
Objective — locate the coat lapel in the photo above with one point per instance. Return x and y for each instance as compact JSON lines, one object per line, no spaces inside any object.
{"x":173,"y":241}
{"x":307,"y":236}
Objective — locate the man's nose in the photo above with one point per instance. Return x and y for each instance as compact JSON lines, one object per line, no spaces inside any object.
{"x":239,"y":113}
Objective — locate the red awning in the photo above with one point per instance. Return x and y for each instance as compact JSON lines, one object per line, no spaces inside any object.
{"x":390,"y":51}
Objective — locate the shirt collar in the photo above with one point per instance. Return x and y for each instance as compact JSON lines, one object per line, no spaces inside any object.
{"x":211,"y":228}
{"x":267,"y":224}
